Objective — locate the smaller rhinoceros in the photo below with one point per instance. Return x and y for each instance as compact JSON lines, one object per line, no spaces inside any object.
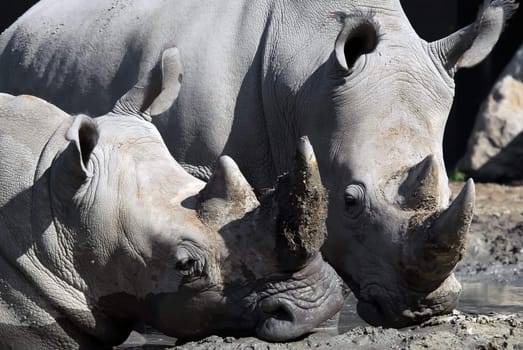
{"x":101,"y":228}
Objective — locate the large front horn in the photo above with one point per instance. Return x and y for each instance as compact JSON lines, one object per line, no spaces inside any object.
{"x":302,"y":206}
{"x":227,"y":196}
{"x":438,"y":245}
{"x":446,"y":237}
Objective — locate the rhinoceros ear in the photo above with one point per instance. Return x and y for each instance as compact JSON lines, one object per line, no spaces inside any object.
{"x":172,"y":72}
{"x":157,"y":92}
{"x":358,"y":37}
{"x":470,"y":45}
{"x":83,"y":133}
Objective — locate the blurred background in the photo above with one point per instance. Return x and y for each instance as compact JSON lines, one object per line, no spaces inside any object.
{"x":436,"y":19}
{"x":432,"y":20}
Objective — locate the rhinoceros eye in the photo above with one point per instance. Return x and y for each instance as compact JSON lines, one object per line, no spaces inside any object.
{"x":188,"y":263}
{"x":186,"y":266}
{"x":354,"y":200}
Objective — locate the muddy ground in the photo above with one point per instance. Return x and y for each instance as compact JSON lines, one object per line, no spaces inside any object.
{"x":494,"y":255}
{"x":495,"y":240}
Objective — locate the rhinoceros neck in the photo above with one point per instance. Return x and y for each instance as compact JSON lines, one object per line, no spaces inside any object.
{"x":26,"y":315}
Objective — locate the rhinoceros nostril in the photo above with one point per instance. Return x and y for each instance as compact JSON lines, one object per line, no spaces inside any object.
{"x":278,"y":310}
{"x":378,"y":307}
{"x":281,"y":314}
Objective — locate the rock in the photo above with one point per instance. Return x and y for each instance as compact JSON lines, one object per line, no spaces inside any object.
{"x":495,"y":148}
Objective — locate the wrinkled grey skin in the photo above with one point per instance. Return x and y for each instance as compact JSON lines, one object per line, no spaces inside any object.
{"x":101,"y":228}
{"x":352,"y":75}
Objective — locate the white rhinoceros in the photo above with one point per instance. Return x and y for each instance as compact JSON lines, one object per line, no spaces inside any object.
{"x":351,"y":74}
{"x":100,"y":228}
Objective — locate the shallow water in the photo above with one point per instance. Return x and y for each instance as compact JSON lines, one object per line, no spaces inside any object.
{"x":151,"y":339}
{"x":476,"y":297}
{"x":492,"y":297}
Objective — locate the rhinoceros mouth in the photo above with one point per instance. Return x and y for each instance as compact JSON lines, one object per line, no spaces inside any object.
{"x":375,"y":306}
{"x":404,"y":307}
{"x":379,"y":312}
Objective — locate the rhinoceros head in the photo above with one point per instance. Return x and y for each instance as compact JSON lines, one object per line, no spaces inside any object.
{"x":265,"y":272}
{"x":375,"y":108}
{"x":150,"y":242}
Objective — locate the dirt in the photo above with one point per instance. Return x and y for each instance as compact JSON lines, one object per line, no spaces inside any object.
{"x":456,"y":331}
{"x":495,"y":239}
{"x":494,"y":254}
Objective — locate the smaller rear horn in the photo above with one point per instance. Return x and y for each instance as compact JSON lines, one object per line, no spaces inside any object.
{"x":227,"y":196}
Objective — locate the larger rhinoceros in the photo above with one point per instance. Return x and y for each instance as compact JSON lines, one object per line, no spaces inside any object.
{"x":100,"y":228}
{"x":351,"y":74}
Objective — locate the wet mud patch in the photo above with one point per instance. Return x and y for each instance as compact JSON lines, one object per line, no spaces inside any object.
{"x":495,"y":239}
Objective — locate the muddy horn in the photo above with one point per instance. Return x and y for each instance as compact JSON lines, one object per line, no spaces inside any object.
{"x":448,"y":231}
{"x":439,"y":247}
{"x":302,"y":205}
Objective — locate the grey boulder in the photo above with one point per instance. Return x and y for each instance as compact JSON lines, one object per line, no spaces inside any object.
{"x":495,"y":148}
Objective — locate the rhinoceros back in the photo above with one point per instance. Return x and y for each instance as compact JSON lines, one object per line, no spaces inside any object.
{"x":83,"y":56}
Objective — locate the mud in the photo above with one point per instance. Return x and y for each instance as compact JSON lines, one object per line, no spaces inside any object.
{"x":491,"y":315}
{"x":495,"y":240}
{"x":457,"y":331}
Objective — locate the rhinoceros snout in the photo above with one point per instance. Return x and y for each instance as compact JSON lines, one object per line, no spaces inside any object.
{"x":294,"y":312}
{"x":397,"y":308}
{"x":283,"y":320}
{"x":279,"y":322}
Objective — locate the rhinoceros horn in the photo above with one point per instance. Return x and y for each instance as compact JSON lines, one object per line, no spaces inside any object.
{"x":302,"y":206}
{"x":446,"y":237}
{"x":227,"y":196}
{"x":296,"y":210}
{"x":438,"y":244}
{"x":420,"y":190}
